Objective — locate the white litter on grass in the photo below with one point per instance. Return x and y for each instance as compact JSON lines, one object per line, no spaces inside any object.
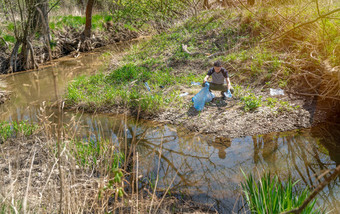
{"x":183,"y":94}
{"x":276,"y":92}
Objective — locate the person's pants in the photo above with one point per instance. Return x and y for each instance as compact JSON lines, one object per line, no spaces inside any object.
{"x":219,"y":87}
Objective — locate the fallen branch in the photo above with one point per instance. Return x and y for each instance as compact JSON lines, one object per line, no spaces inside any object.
{"x":185,"y":49}
{"x":313,"y":95}
{"x":315,"y":192}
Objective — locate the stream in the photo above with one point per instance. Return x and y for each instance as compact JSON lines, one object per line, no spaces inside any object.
{"x":201,"y":168}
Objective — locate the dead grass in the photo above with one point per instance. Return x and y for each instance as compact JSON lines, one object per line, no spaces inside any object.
{"x":31,"y":179}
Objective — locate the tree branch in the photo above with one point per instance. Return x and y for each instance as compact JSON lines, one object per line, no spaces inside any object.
{"x":53,"y":6}
{"x":306,"y":23}
{"x":315,"y":192}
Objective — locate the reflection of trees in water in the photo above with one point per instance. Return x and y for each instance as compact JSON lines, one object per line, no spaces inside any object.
{"x":329,"y":136}
{"x":197,"y":171}
{"x":289,"y":154}
{"x":265,"y":148}
{"x":302,"y":157}
{"x":212,"y":179}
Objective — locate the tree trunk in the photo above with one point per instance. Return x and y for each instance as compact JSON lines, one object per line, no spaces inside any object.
{"x":206,"y":4}
{"x":46,"y":31}
{"x":226,"y":3}
{"x":44,"y":9}
{"x":251,"y":2}
{"x":88,"y":24}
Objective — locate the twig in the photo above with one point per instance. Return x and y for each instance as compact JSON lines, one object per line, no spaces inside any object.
{"x":305,"y":23}
{"x":315,"y":192}
{"x":12,"y":183}
{"x":6,"y":44}
{"x":137,"y":181}
{"x":53,"y":6}
{"x":312,"y":95}
{"x":159,"y":163}
{"x":28,"y":185}
{"x":185,"y":49}
{"x":166,"y":192}
{"x":49,"y":176}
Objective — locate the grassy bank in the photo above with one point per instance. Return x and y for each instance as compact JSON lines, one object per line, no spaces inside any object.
{"x":248,"y":42}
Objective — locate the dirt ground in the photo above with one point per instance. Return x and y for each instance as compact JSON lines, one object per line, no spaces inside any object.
{"x":227,"y":118}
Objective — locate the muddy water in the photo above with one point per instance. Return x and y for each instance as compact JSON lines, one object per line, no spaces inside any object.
{"x":203,"y":168}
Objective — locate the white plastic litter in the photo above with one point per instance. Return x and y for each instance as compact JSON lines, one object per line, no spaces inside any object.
{"x":183,"y":94}
{"x":276,"y":92}
{"x":196,"y":83}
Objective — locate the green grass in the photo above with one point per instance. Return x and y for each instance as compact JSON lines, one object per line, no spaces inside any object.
{"x":77,"y":22}
{"x":103,"y":157}
{"x":93,"y":153}
{"x":162,"y":62}
{"x":269,"y":195}
{"x":6,"y":208}
{"x":16,"y":129}
{"x":125,"y":86}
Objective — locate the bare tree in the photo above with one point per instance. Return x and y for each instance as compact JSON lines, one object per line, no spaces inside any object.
{"x":88,"y":24}
{"x":29,"y":17}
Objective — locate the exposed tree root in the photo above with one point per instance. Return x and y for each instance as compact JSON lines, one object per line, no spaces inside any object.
{"x":69,"y":41}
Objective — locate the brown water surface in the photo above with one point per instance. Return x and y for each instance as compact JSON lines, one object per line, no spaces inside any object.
{"x":203,"y":168}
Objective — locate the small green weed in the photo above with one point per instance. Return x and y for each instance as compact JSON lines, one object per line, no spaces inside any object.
{"x":16,"y":129}
{"x":271,"y":102}
{"x":286,"y":106}
{"x":251,"y":102}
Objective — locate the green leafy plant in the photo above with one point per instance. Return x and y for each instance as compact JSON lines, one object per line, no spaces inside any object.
{"x":268,"y":195}
{"x":251,"y":102}
{"x":15,"y":129}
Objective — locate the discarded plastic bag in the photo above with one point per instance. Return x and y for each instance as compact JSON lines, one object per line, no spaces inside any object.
{"x":195,"y":83}
{"x":147,"y":86}
{"x":210,"y":96}
{"x":183,"y":94}
{"x":202,"y":97}
{"x":276,"y":92}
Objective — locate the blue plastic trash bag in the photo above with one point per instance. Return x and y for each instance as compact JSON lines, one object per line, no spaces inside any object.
{"x":228,"y":94}
{"x":210,"y":96}
{"x":202,"y":97}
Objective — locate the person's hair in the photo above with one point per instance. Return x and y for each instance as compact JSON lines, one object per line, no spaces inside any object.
{"x":217,"y":64}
